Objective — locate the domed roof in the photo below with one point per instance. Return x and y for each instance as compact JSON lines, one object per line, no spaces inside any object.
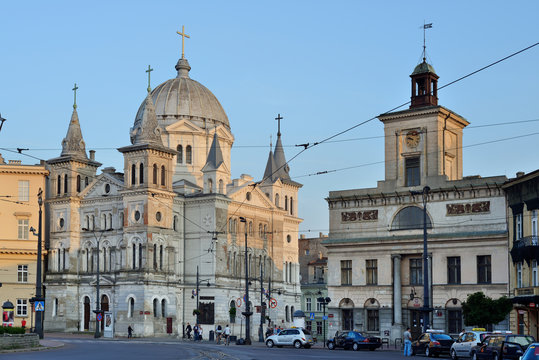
{"x":424,"y":67}
{"x":183,"y":96}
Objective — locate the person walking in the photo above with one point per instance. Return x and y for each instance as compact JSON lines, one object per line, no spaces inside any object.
{"x":188,"y":329}
{"x":407,"y":337}
{"x":195,"y":332}
{"x":227,"y":335}
{"x":218,"y":331}
{"x":199,"y":332}
{"x":129,"y":332}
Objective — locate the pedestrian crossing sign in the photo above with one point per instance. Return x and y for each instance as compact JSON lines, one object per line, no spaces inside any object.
{"x":311,"y":317}
{"x":39,"y":306}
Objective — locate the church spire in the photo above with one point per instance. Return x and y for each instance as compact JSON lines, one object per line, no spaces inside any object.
{"x":147,"y":131}
{"x":281,"y":166}
{"x":215,"y":156}
{"x":73,"y":144}
{"x":270,"y":168}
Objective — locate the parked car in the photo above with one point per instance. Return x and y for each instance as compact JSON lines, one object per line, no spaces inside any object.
{"x":462,"y":348}
{"x":532,"y":352}
{"x":502,"y":345}
{"x":296,"y":337}
{"x":354,"y":340}
{"x":432,"y":343}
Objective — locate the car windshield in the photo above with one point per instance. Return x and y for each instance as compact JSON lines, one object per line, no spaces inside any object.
{"x":440,"y":337}
{"x":306,"y":332}
{"x":521,"y":340}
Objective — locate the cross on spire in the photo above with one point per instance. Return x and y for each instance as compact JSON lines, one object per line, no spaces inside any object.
{"x":279,"y":118}
{"x":183,"y":35}
{"x":75,"y":88}
{"x":149,"y":71}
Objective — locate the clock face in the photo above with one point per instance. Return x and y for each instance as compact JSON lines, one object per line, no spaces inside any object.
{"x":412,"y":139}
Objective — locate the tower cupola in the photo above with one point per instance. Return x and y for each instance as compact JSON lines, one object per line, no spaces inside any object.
{"x":424,"y":86}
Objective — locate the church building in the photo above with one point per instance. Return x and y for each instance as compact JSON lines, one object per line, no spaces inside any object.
{"x":167,"y":235}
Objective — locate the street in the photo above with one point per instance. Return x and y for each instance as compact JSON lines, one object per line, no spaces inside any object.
{"x":133,"y":349}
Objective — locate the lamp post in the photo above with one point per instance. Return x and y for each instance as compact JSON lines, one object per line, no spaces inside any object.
{"x":247,"y":313}
{"x":262,"y":306}
{"x":97,"y":311}
{"x":197,"y":291}
{"x":39,"y":296}
{"x":324,"y":301}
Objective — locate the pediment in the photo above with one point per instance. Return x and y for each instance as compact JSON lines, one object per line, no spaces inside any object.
{"x":184,"y":126}
{"x":258,"y":198}
{"x":98,"y":188}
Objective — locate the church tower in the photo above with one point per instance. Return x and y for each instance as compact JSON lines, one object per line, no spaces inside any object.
{"x":216,"y":173}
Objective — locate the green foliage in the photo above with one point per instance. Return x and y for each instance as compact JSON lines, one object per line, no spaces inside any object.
{"x":11,"y":330}
{"x":196,"y":312}
{"x":481,"y":310}
{"x":232,"y":312}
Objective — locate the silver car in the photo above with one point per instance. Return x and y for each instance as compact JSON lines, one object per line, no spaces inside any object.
{"x":297,"y":337}
{"x":467,"y":340}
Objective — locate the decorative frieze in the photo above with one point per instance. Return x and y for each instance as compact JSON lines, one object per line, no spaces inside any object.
{"x":480,"y":207}
{"x":367,"y":215}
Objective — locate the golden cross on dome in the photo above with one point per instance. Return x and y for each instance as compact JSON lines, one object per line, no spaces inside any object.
{"x":183,"y":35}
{"x":75,"y":88}
{"x":149,"y":71}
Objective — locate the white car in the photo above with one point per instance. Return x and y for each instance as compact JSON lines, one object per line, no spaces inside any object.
{"x":296,"y":337}
{"x":466,"y":341}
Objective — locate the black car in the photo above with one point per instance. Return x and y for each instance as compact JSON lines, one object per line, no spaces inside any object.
{"x":354,"y":340}
{"x":432,"y":343}
{"x":502,"y":346}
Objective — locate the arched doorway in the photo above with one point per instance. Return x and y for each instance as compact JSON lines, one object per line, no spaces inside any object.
{"x":86,"y":313}
{"x":347,"y":314}
{"x":104,"y":307}
{"x":454,"y":316}
{"x":416,"y":316}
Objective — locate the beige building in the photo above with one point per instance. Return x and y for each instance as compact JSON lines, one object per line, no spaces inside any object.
{"x":523,"y":204}
{"x":19,"y":211}
{"x":375,"y":244}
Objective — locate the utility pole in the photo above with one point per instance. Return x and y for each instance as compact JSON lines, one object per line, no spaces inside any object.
{"x":261,"y":329}
{"x":247,"y":313}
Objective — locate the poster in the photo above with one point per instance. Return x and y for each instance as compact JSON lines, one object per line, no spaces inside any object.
{"x":108,"y":330}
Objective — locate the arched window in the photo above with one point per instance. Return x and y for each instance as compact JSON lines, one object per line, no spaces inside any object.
{"x":155,"y":256}
{"x":133,"y":175}
{"x":250,"y":228}
{"x":234,"y":265}
{"x":121,"y":219}
{"x":59,"y":185}
{"x":86,"y":181}
{"x":277,"y":200}
{"x":260,"y":233}
{"x":105,"y":259}
{"x":410,"y":217}
{"x":160,"y":257}
{"x":131,"y":307}
{"x":110,"y":221}
{"x":231,"y":226}
{"x":210,"y":186}
{"x":265,"y":233}
{"x":232,"y":306}
{"x":179,"y":159}
{"x":163,"y":308}
{"x":221,"y":187}
{"x":141,"y":174}
{"x":140,"y":256}
{"x":155,"y":174}
{"x":155,"y":310}
{"x":65,"y":183}
{"x":93,"y":222}
{"x":286,"y":202}
{"x":78,"y":183}
{"x":55,"y":307}
{"x":188,"y":154}
{"x":175,"y":223}
{"x":292,"y":313}
{"x":287,"y":314}
{"x":291,"y":205}
{"x":103,"y":221}
{"x":163,"y":175}
{"x":134,"y":256}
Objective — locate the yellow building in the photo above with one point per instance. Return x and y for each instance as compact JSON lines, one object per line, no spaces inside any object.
{"x":19,"y":211}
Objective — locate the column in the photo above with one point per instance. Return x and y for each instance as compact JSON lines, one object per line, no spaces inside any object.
{"x":397,"y":308}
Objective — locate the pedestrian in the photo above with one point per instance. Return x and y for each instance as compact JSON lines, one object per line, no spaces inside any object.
{"x":199,"y":333}
{"x":129,"y":332}
{"x":269,"y":332}
{"x":275,"y":330}
{"x":188,"y":329}
{"x":195,"y":332}
{"x":227,"y":335}
{"x":218,"y":331}
{"x":23,"y":324}
{"x":407,"y":337}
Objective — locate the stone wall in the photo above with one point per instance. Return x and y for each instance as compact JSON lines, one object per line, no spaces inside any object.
{"x":16,"y":341}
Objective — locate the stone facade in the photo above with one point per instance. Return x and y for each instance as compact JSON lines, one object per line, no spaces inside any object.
{"x":173,"y":212}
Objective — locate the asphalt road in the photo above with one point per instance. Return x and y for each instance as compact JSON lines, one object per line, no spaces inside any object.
{"x":135,"y":349}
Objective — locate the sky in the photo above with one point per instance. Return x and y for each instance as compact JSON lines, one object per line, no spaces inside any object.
{"x":325,"y":66}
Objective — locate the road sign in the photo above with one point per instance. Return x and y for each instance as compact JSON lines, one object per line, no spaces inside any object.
{"x":311,"y":316}
{"x":39,"y":306}
{"x":238,"y":302}
{"x":99,"y":316}
{"x":324,"y":317}
{"x":273,"y":303}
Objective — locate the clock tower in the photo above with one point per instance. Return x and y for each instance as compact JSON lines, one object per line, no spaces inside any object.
{"x":423,"y":142}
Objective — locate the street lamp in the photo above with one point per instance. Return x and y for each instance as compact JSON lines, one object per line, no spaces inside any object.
{"x":324,"y":301}
{"x":247,"y":313}
{"x":38,"y":297}
{"x":97,"y":311}
{"x":197,"y":291}
{"x":426,"y":297}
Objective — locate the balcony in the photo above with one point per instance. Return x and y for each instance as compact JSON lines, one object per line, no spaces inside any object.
{"x":526,"y":248}
{"x":527,"y":291}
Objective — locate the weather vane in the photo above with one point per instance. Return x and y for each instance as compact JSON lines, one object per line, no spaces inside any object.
{"x":425,"y":27}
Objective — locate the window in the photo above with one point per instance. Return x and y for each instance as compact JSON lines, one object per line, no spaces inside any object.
{"x":155,"y":311}
{"x":24,"y":188}
{"x":410,"y":217}
{"x":277,"y":200}
{"x":140,"y":256}
{"x":372,"y":272}
{"x":372,"y":320}
{"x":188,"y":154}
{"x":179,"y":159}
{"x":534,"y":227}
{"x":519,"y":226}
{"x":308,"y":325}
{"x":534,"y":273}
{"x":308,"y":304}
{"x":22,"y":273}
{"x":346,"y":272}
{"x":454,"y":321}
{"x":155,"y":174}
{"x":412,"y":171}
{"x":22,"y":307}
{"x":319,"y":304}
{"x":59,"y":185}
{"x":86,"y":181}
{"x":133,"y":175}
{"x":453,"y":270}
{"x":161,"y":257}
{"x":134,"y":250}
{"x":55,"y":307}
{"x":319,"y":327}
{"x":519,"y":275}
{"x":291,"y":205}
{"x":65,"y":184}
{"x":221,"y":187}
{"x":286,"y":313}
{"x":163,"y":175}
{"x":286,"y":202}
{"x":78,"y":183}
{"x":141,"y":174}
{"x":131,"y":307}
{"x":23,"y":229}
{"x":163,"y":308}
{"x":155,"y":256}
{"x":416,"y":271}
{"x":306,"y":251}
{"x":483,"y":269}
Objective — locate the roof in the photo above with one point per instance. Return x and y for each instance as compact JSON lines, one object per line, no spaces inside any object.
{"x":423,"y":67}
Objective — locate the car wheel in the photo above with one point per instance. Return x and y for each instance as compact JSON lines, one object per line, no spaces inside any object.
{"x":269,"y":343}
{"x":427,"y":352}
{"x":331,"y":346}
{"x":454,"y":355}
{"x":355,"y":347}
{"x":297,"y":344}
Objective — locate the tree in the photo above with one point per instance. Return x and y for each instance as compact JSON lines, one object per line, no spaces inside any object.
{"x":481,"y":310}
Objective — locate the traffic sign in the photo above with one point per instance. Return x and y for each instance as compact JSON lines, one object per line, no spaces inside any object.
{"x":99,"y":316}
{"x":39,"y":306}
{"x":324,"y":317}
{"x":311,"y":316}
{"x":238,"y":302}
{"x":273,"y":303}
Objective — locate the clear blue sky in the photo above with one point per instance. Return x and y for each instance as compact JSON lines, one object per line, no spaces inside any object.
{"x":323,"y":65}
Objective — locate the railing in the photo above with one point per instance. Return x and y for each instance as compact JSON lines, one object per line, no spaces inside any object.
{"x":526,"y":241}
{"x":527,"y":291}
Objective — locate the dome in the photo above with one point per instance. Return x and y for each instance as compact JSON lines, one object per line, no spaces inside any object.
{"x":424,"y":67}
{"x":185,"y":97}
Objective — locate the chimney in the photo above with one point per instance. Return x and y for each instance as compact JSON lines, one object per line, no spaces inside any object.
{"x":92,"y":154}
{"x":520,"y":174}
